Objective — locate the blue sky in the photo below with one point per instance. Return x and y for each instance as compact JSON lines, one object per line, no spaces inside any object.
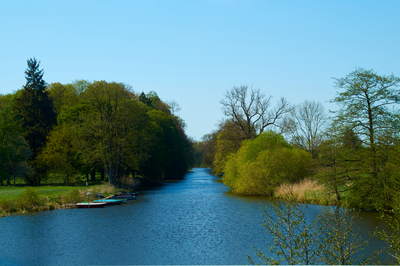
{"x":192,"y":51}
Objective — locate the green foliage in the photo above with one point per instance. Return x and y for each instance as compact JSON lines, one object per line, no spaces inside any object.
{"x":147,"y":101}
{"x":262,"y":164}
{"x":35,"y":110}
{"x":73,"y":196}
{"x":392,"y":235}
{"x":110,"y":128}
{"x":7,"y":206}
{"x":224,"y":148}
{"x":63,"y":96}
{"x":229,"y":139}
{"x":339,"y":244}
{"x":231,"y":177}
{"x":22,"y":200}
{"x":59,"y":155}
{"x":268,"y":140}
{"x":294,"y":237}
{"x":14,"y":151}
{"x":102,"y":126}
{"x":365,"y":103}
{"x":206,"y":149}
{"x":340,"y":155}
{"x":30,"y":197}
{"x":165,"y":149}
{"x":329,"y":239}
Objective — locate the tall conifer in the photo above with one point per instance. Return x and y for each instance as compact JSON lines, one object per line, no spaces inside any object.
{"x":36,"y":111}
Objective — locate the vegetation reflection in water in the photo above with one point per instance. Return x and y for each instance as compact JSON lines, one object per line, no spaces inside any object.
{"x":193,"y":221}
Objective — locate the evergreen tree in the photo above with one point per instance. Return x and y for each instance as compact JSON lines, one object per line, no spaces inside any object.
{"x":144,"y":99}
{"x":36,"y":111}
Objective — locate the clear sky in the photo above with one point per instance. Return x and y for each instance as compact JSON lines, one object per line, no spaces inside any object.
{"x":192,"y":51}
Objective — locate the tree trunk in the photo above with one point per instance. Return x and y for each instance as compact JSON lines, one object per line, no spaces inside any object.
{"x":93,"y":175}
{"x":103,"y":176}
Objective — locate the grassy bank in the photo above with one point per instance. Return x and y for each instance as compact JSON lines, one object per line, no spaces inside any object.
{"x":308,"y":191}
{"x":19,"y":200}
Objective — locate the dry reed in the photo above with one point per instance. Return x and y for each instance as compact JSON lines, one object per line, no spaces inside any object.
{"x":307,"y":191}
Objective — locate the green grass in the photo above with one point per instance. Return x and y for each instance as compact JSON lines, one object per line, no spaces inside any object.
{"x":11,"y":192}
{"x":16,"y":200}
{"x":14,"y":192}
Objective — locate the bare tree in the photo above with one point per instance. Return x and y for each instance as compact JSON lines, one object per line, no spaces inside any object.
{"x":250,"y":110}
{"x":173,"y":107}
{"x":307,"y":121}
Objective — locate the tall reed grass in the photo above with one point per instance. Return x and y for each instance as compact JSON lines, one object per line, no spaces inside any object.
{"x":306,"y":191}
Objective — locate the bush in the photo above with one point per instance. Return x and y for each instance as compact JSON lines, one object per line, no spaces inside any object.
{"x":264,"y":163}
{"x":8,"y":205}
{"x":29,"y":198}
{"x":72,"y":196}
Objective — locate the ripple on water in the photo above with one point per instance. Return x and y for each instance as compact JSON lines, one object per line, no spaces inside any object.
{"x":192,"y":221}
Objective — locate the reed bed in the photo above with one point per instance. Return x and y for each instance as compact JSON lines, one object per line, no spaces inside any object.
{"x":306,"y":191}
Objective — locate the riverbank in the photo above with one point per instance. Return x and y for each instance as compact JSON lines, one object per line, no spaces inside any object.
{"x":22,"y":200}
{"x":305,"y":191}
{"x":308,"y":191}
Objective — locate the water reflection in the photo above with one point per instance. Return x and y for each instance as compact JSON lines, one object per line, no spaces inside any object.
{"x":193,"y":221}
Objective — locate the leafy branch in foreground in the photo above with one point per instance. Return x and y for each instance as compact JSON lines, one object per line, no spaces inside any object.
{"x":392,"y":237}
{"x":294,"y":236}
{"x":339,"y":244}
{"x":328,"y":239}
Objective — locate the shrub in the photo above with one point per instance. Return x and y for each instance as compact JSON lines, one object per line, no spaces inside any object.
{"x":29,"y":198}
{"x":8,"y":205}
{"x":72,"y":196}
{"x":264,"y":163}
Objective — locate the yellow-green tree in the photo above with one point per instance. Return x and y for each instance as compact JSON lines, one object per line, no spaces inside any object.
{"x":60,"y":156}
{"x":63,"y":96}
{"x":229,"y":140}
{"x":260,"y":165}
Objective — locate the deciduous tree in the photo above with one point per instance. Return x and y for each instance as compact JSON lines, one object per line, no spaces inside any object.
{"x":14,"y":151}
{"x":308,"y":120}
{"x":250,"y":110}
{"x":365,"y":109}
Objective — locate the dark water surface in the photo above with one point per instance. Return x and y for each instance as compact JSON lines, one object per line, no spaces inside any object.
{"x":193,"y":221}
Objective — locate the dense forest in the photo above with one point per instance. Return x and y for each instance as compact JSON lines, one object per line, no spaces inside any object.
{"x":106,"y":131}
{"x":352,"y":152}
{"x":66,"y":131}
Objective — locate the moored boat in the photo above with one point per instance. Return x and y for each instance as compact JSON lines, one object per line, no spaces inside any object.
{"x":110,"y":201}
{"x":97,"y":194}
{"x":124,"y":196}
{"x":90,"y":205}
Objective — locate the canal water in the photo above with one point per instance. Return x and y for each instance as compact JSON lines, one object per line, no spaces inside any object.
{"x":192,"y":221}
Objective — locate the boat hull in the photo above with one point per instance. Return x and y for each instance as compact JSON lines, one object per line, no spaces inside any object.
{"x":87,"y":205}
{"x":127,"y":196}
{"x":110,"y":201}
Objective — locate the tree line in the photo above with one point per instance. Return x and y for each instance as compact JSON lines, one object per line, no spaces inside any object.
{"x":353,"y":151}
{"x":82,"y":128}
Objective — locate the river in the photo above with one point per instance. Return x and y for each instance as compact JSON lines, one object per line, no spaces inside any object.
{"x":192,"y":221}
